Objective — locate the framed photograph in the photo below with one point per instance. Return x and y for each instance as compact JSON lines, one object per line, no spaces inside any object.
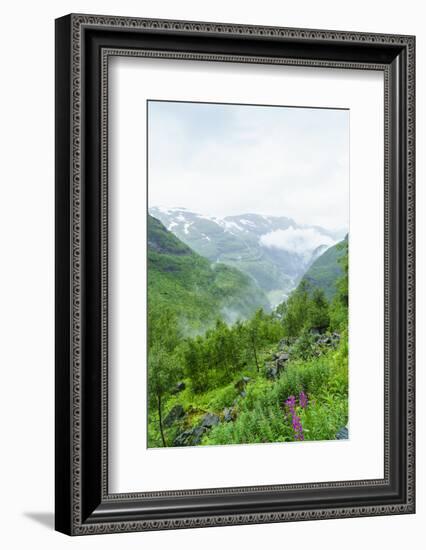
{"x":234,"y":274}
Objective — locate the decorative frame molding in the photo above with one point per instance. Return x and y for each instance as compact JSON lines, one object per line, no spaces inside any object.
{"x":84,"y":44}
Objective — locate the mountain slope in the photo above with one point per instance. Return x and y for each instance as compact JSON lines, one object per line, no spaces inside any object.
{"x":326,"y":270}
{"x":197,"y":291}
{"x":273,"y":250}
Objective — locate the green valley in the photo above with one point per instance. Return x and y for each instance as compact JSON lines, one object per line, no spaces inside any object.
{"x":224,"y":368}
{"x":196,"y":290}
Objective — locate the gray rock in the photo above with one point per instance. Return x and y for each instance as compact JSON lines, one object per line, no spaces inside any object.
{"x":197,"y":434}
{"x":179,"y":387}
{"x":228,"y":414}
{"x":271,"y":372}
{"x":284,"y":343}
{"x":189,"y":437}
{"x":241,"y":384}
{"x":183,"y":439}
{"x":343,"y":433}
{"x":176,"y":413}
{"x":210,"y":420}
{"x":282,"y":358}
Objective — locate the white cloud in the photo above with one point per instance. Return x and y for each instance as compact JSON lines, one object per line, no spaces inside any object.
{"x":299,"y":241}
{"x":223,"y":160}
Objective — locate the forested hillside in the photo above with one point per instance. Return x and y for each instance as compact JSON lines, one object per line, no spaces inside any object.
{"x":258,"y":377}
{"x":327,"y":268}
{"x":183,"y":283}
{"x":263,"y":247}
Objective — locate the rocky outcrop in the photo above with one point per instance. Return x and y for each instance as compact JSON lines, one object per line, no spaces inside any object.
{"x":189,"y":437}
{"x":229,"y":414}
{"x":329,"y":340}
{"x":210,"y":420}
{"x":277,"y":365}
{"x":176,"y":413}
{"x":194,"y":435}
{"x":316,"y":343}
{"x":343,"y":433}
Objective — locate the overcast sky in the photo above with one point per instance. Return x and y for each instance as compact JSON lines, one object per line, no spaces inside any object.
{"x":220,"y":160}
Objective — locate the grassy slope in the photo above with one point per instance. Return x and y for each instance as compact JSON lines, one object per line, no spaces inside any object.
{"x":198,"y":291}
{"x":326,"y":269}
{"x":261,"y":415}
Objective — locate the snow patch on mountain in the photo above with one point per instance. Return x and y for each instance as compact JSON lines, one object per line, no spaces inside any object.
{"x":228,"y":225}
{"x":248,"y":222}
{"x":186,"y":227}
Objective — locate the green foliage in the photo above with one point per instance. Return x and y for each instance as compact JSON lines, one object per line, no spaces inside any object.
{"x":304,"y":348}
{"x":161,"y":371}
{"x":262,"y":415}
{"x":223,"y":363}
{"x":214,"y":359}
{"x":318,"y":315}
{"x":296,"y":311}
{"x":326,"y":269}
{"x":339,"y":305}
{"x":304,"y":310}
{"x":162,"y":241}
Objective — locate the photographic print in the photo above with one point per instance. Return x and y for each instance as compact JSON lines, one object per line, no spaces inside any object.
{"x":247,"y":249}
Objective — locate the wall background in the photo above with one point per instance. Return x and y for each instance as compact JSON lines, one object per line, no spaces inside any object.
{"x":27,"y":282}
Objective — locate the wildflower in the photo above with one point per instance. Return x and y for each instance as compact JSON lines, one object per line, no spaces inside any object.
{"x":295,"y":420}
{"x":303,"y":399}
{"x":291,"y":402}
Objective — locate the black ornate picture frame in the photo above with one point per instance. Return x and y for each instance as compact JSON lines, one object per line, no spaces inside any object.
{"x":84,"y":43}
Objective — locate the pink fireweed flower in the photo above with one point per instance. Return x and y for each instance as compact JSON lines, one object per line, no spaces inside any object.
{"x":303,"y":399}
{"x":291,"y":402}
{"x":295,"y":420}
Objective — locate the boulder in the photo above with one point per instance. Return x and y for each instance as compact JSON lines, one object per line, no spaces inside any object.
{"x":197,"y":434}
{"x":176,"y":413}
{"x":180,"y":386}
{"x":241,"y":384}
{"x":283,"y":343}
{"x":182,"y":439}
{"x":281,"y":359}
{"x":343,"y":433}
{"x":271,"y":371}
{"x":228,"y":414}
{"x":209,"y":420}
{"x":189,"y":437}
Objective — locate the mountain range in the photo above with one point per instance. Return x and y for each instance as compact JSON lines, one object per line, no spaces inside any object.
{"x":274,"y":251}
{"x":194,"y":288}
